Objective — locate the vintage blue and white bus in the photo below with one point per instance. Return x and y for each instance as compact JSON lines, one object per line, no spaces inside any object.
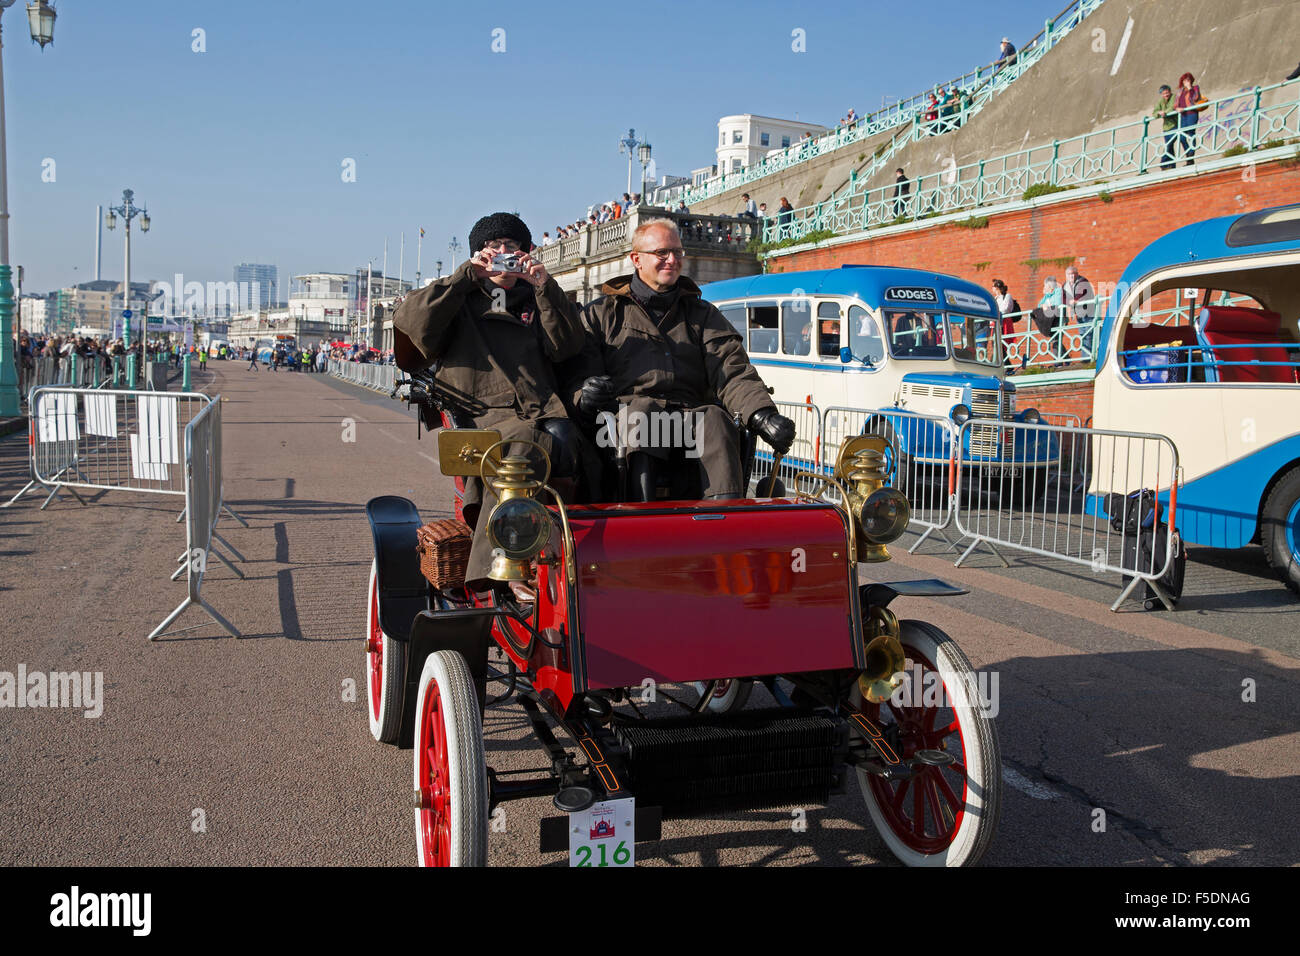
{"x":1201,"y":342}
{"x":885,"y":338}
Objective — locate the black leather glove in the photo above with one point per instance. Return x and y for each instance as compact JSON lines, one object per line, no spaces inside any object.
{"x":597,"y":395}
{"x":774,"y":428}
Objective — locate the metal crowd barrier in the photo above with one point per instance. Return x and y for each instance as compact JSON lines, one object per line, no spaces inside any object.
{"x":804,"y":453}
{"x":203,"y":507}
{"x":1040,"y":509}
{"x":110,"y":439}
{"x":919,"y":461}
{"x":381,"y":378}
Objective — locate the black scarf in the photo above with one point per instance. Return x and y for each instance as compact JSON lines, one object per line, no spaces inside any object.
{"x":655,"y":303}
{"x":520,"y":297}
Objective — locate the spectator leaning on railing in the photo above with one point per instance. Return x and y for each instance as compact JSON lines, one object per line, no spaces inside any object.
{"x":1078,"y":297}
{"x":1190,"y":106}
{"x":1006,"y":55}
{"x":1166,"y":113}
{"x":1046,"y":315}
{"x":902,"y":187}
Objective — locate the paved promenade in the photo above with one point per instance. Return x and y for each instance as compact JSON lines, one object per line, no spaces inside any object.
{"x":1137,"y":714}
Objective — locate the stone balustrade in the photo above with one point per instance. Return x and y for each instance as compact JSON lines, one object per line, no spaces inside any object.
{"x":717,"y":247}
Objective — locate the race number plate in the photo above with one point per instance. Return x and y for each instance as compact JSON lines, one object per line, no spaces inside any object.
{"x":603,"y":834}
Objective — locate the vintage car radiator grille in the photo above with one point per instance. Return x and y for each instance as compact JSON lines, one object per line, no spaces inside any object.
{"x":759,"y":758}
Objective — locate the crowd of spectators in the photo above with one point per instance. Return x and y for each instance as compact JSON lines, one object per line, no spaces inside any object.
{"x":605,"y":212}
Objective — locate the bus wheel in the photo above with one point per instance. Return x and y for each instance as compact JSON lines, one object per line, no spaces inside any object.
{"x":1280,"y":534}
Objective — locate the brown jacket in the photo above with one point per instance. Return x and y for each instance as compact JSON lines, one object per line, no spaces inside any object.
{"x":694,"y":357}
{"x":498,"y":367}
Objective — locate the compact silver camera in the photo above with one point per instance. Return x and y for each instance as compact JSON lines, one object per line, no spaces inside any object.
{"x":507,"y":262}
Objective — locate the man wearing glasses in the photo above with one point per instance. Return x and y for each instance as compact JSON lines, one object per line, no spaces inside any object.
{"x":495,"y":327}
{"x":654,"y":345}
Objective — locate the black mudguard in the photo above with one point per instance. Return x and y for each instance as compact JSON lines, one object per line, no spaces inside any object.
{"x":468,"y":631}
{"x":882,"y":593}
{"x":403,"y":590}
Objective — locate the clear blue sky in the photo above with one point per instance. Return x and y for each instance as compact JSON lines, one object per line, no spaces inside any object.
{"x":237,"y":151}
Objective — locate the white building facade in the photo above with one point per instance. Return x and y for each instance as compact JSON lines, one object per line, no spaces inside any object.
{"x":744,"y":139}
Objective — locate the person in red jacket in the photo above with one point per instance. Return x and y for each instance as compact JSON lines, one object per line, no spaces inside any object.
{"x":1189,"y":95}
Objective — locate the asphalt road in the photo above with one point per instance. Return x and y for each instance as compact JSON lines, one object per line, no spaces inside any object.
{"x":216,"y":751}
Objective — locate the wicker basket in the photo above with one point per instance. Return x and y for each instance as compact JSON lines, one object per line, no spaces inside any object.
{"x":443,"y":547}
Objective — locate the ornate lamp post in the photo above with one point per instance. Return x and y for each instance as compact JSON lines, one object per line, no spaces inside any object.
{"x":453,"y":247}
{"x":128,"y":211}
{"x":629,"y":145}
{"x":41,"y":19}
{"x":643,"y":153}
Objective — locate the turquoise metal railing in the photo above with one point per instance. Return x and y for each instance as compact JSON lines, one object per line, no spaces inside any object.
{"x":982,"y":84}
{"x":1245,"y":120}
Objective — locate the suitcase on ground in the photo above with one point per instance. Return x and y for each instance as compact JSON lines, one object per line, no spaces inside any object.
{"x":1145,"y":550}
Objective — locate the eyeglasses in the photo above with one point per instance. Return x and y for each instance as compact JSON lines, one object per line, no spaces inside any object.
{"x":664,"y":254}
{"x":500,"y":245}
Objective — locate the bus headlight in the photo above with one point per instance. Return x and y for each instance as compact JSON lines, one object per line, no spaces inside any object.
{"x":884,"y":515}
{"x":1031,"y":416}
{"x":518,"y":528}
{"x":960,"y":414}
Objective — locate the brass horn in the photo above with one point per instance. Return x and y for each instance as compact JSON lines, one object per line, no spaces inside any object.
{"x":885,"y":659}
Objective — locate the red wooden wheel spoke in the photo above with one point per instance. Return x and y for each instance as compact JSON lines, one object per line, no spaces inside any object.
{"x":942,"y":826}
{"x":918,"y":812}
{"x":951,"y":797}
{"x":930,"y":715}
{"x":899,"y":796}
{"x":942,"y":732}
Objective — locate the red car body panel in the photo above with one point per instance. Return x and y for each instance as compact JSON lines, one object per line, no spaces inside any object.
{"x":659,"y":584}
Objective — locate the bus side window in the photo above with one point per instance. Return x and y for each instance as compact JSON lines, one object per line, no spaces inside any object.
{"x":735,"y":314}
{"x":865,"y":340}
{"x":828,"y":329}
{"x":796,"y":327}
{"x":763,"y":329}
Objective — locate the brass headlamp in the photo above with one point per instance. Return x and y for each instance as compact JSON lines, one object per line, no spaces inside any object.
{"x":519,"y":525}
{"x":881,"y":513}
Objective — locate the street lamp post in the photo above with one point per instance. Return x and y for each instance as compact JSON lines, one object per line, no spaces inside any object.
{"x":643,"y":153}
{"x":128,"y":211}
{"x":453,"y":247}
{"x":630,"y":144}
{"x":40,"y":17}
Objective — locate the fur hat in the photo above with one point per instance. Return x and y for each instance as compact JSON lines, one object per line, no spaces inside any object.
{"x":500,"y":225}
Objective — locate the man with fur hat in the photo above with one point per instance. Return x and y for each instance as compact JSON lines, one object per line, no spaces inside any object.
{"x":654,"y":345}
{"x":494,"y":335}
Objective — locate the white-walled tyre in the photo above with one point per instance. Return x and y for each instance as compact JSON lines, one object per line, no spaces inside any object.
{"x":943,"y":815}
{"x":385,"y":670}
{"x":451,"y":813}
{"x":730,"y":695}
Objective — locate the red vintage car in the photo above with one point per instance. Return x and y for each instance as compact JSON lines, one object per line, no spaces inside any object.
{"x":608,"y":600}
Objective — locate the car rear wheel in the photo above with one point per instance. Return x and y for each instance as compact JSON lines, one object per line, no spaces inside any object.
{"x":1280,"y":531}
{"x":942,"y":815}
{"x":451,"y":793}
{"x":728,"y":696}
{"x":385,"y":670}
